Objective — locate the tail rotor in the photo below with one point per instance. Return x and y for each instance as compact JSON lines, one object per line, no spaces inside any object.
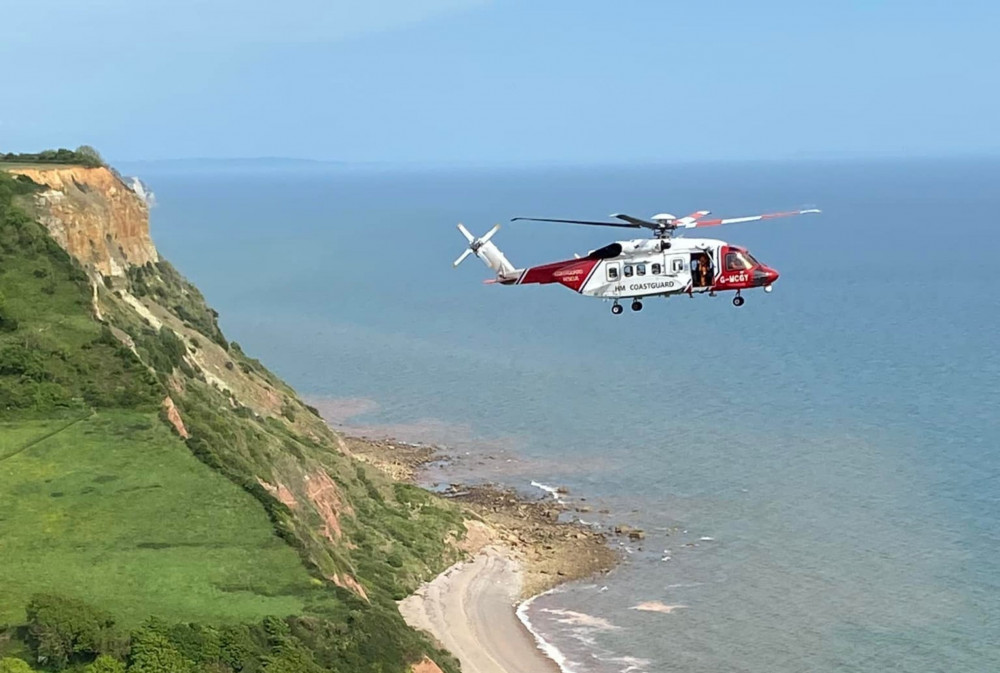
{"x":474,"y":243}
{"x":485,"y":250}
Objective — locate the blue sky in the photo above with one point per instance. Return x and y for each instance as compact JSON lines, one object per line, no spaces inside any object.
{"x":502,"y":81}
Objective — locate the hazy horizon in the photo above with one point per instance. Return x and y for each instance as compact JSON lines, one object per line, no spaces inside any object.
{"x":557,"y":163}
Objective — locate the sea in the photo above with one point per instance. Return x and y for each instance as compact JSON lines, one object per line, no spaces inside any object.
{"x":817,"y":472}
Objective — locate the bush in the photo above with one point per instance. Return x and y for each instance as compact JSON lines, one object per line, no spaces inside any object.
{"x":88,"y":156}
{"x":105,"y":664}
{"x":12,"y":665}
{"x":173,"y":346}
{"x":19,"y":360}
{"x":152,"y":652}
{"x":8,"y":323}
{"x":64,"y":630}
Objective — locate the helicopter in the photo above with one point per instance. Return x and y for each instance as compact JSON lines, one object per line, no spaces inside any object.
{"x":662,"y":266}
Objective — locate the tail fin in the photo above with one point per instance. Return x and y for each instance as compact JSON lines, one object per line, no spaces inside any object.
{"x":486,"y":251}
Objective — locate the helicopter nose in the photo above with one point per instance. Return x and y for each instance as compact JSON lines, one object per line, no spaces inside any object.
{"x":765,"y":275}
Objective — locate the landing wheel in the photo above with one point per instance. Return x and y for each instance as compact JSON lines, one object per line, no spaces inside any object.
{"x":617,"y":309}
{"x":738,"y":300}
{"x":636,"y":305}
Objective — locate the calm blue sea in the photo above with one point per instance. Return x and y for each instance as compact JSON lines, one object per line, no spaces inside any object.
{"x":837,"y":440}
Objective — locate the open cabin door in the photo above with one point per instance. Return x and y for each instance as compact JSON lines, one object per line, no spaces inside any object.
{"x":702,"y":267}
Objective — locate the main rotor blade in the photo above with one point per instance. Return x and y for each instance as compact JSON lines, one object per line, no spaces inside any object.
{"x":590,"y":222}
{"x":693,"y":217}
{"x":751,"y":218}
{"x":636,"y":221}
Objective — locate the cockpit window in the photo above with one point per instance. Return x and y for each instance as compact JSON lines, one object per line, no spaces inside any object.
{"x":738,"y":260}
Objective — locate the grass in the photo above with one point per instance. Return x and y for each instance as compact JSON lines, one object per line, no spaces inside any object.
{"x":102,"y":502}
{"x":115,"y":510}
{"x":50,"y":345}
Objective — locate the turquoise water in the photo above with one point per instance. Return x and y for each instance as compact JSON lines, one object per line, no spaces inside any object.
{"x":836,"y":439}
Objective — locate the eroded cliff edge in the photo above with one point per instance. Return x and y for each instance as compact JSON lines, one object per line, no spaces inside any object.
{"x":126,"y":334}
{"x":94,"y":216}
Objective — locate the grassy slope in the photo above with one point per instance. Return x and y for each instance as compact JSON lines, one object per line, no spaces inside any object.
{"x":100,"y":500}
{"x":126,"y":518}
{"x":112,"y":507}
{"x":395,"y":538}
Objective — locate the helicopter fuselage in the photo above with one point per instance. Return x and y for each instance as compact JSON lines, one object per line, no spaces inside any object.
{"x":650,"y":267}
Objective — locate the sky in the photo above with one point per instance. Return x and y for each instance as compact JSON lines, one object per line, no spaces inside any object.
{"x":502,"y":81}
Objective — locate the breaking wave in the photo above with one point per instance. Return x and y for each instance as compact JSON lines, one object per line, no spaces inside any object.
{"x":551,"y":490}
{"x":550,"y":650}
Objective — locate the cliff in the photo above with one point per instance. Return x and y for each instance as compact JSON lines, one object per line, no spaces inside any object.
{"x":95,"y":216}
{"x":120,"y":395}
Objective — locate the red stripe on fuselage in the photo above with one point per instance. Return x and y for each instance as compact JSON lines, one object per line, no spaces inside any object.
{"x":572,"y":273}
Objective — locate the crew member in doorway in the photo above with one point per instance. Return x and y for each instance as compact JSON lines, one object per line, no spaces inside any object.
{"x":703,"y":271}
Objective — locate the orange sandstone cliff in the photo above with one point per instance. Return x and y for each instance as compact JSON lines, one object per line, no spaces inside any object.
{"x":94,"y":215}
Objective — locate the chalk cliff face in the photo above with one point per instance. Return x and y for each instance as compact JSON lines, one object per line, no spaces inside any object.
{"x":93,"y":215}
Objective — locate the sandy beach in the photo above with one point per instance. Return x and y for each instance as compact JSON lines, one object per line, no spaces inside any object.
{"x":470,"y":610}
{"x":517,"y":547}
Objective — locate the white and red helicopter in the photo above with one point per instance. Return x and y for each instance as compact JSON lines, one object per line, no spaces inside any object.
{"x":644,"y":267}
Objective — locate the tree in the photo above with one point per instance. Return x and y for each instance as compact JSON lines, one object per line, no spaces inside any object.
{"x":64,"y":630}
{"x":238,"y":649}
{"x":153,"y":653}
{"x":12,"y":665}
{"x":105,"y":664}
{"x":88,"y":156}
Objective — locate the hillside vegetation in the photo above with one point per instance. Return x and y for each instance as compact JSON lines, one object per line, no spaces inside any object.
{"x":84,"y":155}
{"x":167,"y":503}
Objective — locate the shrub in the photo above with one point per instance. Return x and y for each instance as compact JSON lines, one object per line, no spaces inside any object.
{"x":64,"y":630}
{"x":12,"y":665}
{"x":152,"y":652}
{"x":105,"y":664}
{"x":8,"y":323}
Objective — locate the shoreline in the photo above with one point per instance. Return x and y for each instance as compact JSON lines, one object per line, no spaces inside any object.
{"x":518,"y":550}
{"x":472,"y":609}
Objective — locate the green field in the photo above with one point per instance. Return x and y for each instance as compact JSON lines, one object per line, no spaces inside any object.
{"x":168,"y":556}
{"x":115,"y":510}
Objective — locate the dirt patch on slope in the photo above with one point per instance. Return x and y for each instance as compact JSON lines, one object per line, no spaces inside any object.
{"x":280,"y":493}
{"x":348,"y":582}
{"x":425,"y":665}
{"x":325,"y":497}
{"x":174,"y":416}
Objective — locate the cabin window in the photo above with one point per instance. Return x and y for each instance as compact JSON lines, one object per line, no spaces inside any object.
{"x":655,"y":269}
{"x":612,"y":272}
{"x":640,"y":269}
{"x":677,"y":265}
{"x":627,"y":271}
{"x":737,"y":260}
